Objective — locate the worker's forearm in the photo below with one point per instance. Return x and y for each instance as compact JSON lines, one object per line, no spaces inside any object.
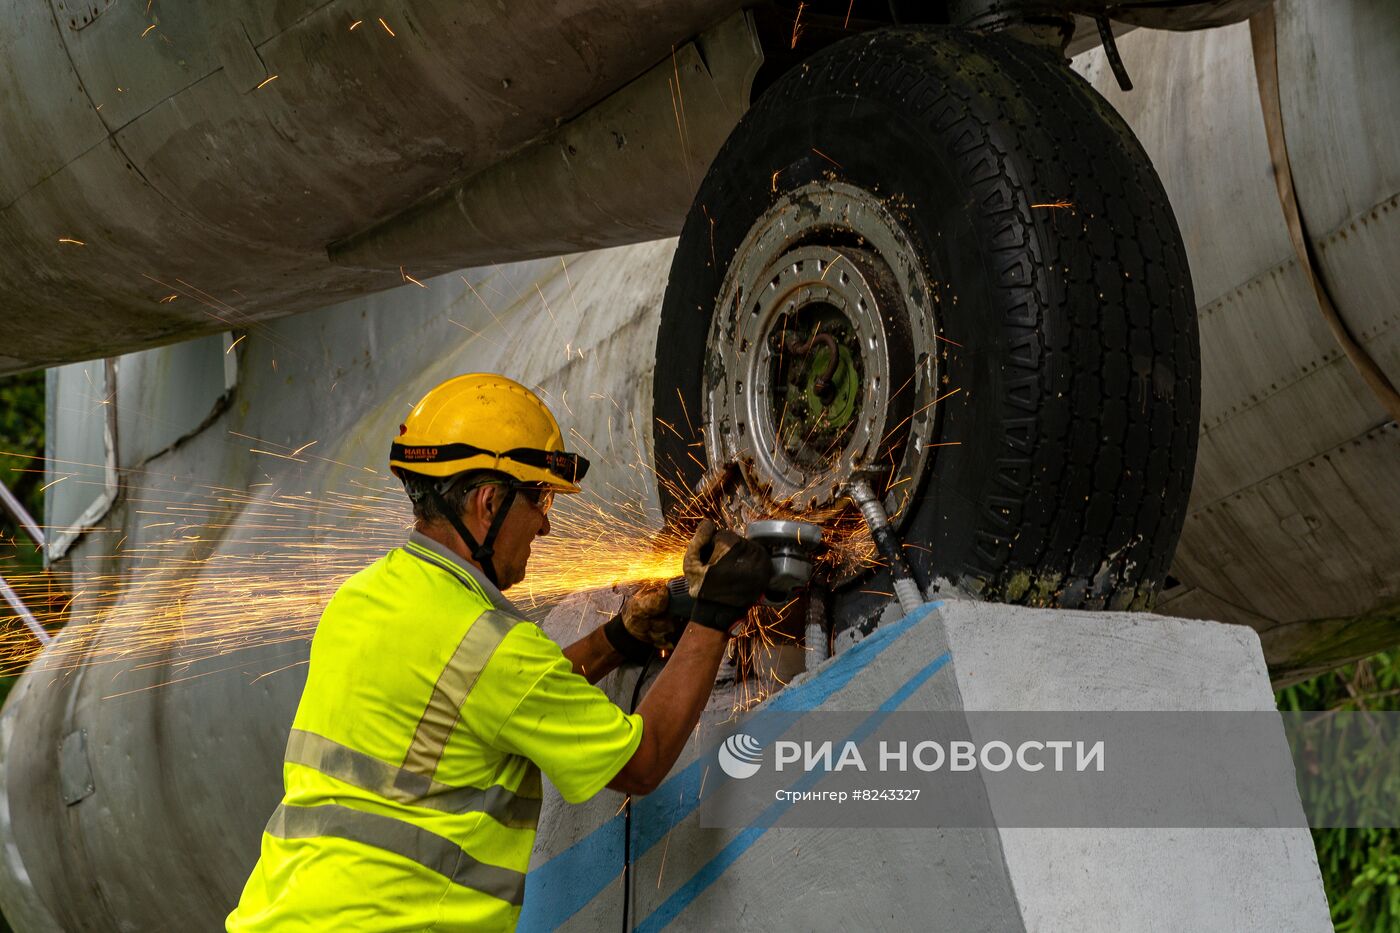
{"x":593,"y":656}
{"x":673,"y":705}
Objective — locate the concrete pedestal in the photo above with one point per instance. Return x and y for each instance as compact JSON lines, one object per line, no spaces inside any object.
{"x":948,"y":656}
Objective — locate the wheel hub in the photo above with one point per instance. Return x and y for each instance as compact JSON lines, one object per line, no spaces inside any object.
{"x":817,"y":379}
{"x":821,"y":357}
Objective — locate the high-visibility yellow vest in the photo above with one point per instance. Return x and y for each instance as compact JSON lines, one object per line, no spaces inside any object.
{"x":412,"y":770}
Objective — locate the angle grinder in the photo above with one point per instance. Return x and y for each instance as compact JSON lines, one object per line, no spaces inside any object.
{"x":789,"y":544}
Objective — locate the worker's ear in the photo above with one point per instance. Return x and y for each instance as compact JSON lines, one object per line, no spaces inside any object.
{"x":489,"y":500}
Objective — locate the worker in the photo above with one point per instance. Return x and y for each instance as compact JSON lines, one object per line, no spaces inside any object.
{"x":431,"y":706}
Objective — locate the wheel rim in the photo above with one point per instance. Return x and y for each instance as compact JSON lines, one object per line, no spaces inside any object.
{"x":821,"y":357}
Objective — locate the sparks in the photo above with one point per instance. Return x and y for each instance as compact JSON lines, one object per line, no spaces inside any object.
{"x":797,"y":27}
{"x":386,"y":26}
{"x":147,"y":30}
{"x":71,"y":241}
{"x":269,"y":582}
{"x":408,"y":278}
{"x":678,"y":108}
{"x":1054,"y":205}
{"x":217,"y":571}
{"x":265,"y":82}
{"x":355,"y":25}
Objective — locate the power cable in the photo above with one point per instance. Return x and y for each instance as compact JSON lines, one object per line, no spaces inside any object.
{"x":627,"y":817}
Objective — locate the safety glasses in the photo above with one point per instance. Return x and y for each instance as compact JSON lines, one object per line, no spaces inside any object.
{"x":541,"y":497}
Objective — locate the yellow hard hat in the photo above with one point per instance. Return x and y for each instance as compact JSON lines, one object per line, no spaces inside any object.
{"x":482,"y":421}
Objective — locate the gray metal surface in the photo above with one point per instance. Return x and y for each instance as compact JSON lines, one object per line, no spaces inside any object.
{"x":150,"y":418}
{"x":80,"y":449}
{"x":777,"y":532}
{"x":578,"y":187}
{"x":149,"y":141}
{"x":1184,"y":15}
{"x":75,"y":778}
{"x":1292,"y":526}
{"x":1155,"y":14}
{"x":216,"y":151}
{"x":791,"y":545}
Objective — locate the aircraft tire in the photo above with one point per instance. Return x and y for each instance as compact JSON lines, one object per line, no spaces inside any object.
{"x":1058,"y":458}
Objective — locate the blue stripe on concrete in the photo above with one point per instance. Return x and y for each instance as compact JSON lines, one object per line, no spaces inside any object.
{"x":711,"y":871}
{"x":658,"y":813}
{"x":561,"y":887}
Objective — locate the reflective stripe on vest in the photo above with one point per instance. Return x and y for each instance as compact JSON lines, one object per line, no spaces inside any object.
{"x":413,"y":783}
{"x":519,"y":809}
{"x":451,"y":689}
{"x":420,"y":846}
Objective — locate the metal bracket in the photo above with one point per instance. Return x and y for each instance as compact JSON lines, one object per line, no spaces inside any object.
{"x":21,"y":515}
{"x":1039,"y":22}
{"x":74,"y":771}
{"x":81,"y":13}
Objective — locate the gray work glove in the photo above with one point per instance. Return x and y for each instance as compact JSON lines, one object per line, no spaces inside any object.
{"x":643,"y":624}
{"x":646,"y":616}
{"x":725,"y":574}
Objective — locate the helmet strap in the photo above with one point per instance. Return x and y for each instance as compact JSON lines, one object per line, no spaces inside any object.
{"x":483,"y":552}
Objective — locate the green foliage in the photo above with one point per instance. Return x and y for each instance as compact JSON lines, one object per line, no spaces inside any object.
{"x":21,"y":447}
{"x":1360,"y":867}
{"x":22,"y":436}
{"x":21,"y":444}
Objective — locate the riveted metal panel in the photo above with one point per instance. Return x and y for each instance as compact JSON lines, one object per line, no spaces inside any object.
{"x":1276,"y":310}
{"x":1291,"y":526}
{"x":251,"y":185}
{"x":131,"y":56}
{"x":1277,"y":428}
{"x":1358,"y":262}
{"x":1315,"y":541}
{"x":47,"y":117}
{"x":1337,"y":66}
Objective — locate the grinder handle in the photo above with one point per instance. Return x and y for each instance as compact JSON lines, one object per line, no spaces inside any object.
{"x":680,"y":601}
